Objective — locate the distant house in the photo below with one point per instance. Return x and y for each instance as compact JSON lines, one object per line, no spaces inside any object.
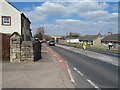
{"x":61,"y":40}
{"x":114,"y":38}
{"x":72,"y":40}
{"x":94,"y":40}
{"x":12,"y":20}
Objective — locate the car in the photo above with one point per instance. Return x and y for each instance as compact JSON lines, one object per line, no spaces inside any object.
{"x":35,"y":40}
{"x":51,"y":43}
{"x":44,"y":41}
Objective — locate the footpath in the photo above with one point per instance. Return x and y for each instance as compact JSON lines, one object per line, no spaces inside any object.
{"x":48,"y":72}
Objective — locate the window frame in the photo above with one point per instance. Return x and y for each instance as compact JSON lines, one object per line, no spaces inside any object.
{"x":3,"y":20}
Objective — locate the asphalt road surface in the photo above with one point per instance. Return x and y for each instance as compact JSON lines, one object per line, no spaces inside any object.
{"x":106,"y":52}
{"x":89,"y":72}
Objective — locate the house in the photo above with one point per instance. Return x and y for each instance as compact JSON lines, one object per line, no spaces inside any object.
{"x":94,"y":40}
{"x":12,"y":20}
{"x":114,"y":38}
{"x":62,"y":40}
{"x":72,"y":40}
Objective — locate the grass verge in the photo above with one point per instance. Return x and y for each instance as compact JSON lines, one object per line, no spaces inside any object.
{"x":93,"y":47}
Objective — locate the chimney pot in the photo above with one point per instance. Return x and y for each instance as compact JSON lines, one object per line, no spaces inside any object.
{"x":109,"y":33}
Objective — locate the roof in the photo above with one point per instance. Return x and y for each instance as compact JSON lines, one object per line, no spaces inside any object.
{"x":15,"y":33}
{"x":18,"y":10}
{"x":88,"y":37}
{"x":112,"y":37}
{"x":72,"y":38}
{"x":25,"y":17}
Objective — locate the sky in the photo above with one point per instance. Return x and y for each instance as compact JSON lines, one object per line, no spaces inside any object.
{"x":60,"y":18}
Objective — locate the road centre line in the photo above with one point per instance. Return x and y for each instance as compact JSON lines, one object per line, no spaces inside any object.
{"x":87,"y":79}
{"x":77,"y":71}
{"x":92,"y":84}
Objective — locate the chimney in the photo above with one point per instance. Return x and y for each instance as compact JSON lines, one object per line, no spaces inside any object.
{"x":99,"y":34}
{"x":109,"y":33}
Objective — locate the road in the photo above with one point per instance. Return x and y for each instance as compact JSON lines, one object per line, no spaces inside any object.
{"x":89,"y":72}
{"x":106,"y":52}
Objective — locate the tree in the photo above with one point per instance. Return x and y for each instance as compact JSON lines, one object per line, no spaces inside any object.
{"x":40,"y":33}
{"x":73,"y":34}
{"x":46,"y":37}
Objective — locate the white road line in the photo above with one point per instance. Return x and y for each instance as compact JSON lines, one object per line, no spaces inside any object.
{"x":92,"y":83}
{"x":115,"y":64}
{"x":70,"y":74}
{"x":60,"y":60}
{"x":77,"y":71}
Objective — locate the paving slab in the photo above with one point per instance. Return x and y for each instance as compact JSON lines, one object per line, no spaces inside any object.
{"x":44,"y":73}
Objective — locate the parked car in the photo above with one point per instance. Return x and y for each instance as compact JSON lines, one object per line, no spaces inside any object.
{"x":35,"y":40}
{"x":44,"y":41}
{"x":51,"y":43}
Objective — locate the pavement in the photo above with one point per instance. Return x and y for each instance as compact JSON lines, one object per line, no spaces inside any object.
{"x":48,"y":72}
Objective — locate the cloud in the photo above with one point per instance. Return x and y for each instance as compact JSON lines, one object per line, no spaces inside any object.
{"x":110,"y":17}
{"x":97,"y":17}
{"x":115,"y":7}
{"x":94,"y":14}
{"x":50,"y":9}
{"x":88,"y":10}
{"x":83,"y":27}
{"x":67,"y":20}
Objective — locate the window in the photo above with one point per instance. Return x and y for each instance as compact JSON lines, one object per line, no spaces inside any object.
{"x":6,"y":20}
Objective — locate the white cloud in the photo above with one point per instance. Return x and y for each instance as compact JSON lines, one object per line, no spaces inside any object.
{"x":50,"y":9}
{"x":115,"y":7}
{"x":94,"y":14}
{"x":98,"y":18}
{"x":83,"y":27}
{"x":67,"y":20}
{"x":110,"y":17}
{"x":89,"y":10}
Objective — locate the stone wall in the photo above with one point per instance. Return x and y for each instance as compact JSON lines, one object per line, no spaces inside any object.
{"x":27,"y":51}
{"x":24,"y":50}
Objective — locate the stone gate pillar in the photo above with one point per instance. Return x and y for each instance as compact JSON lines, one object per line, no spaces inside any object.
{"x":15,"y":44}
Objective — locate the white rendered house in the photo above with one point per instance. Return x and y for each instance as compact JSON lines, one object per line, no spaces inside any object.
{"x":72,"y":40}
{"x":12,"y":20}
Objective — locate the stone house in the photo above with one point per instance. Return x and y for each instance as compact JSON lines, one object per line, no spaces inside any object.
{"x":114,"y":38}
{"x":94,"y":40}
{"x":12,"y":20}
